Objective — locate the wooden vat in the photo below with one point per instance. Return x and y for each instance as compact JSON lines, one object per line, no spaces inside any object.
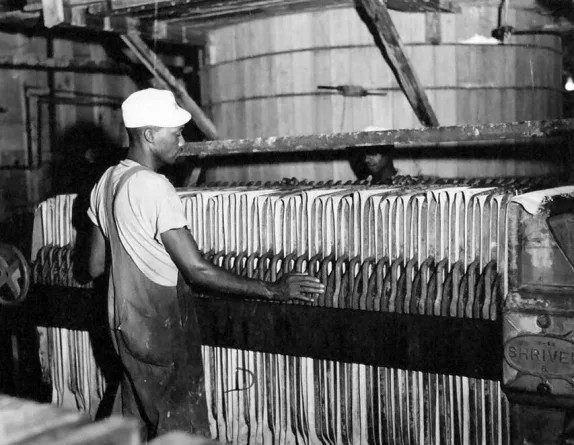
{"x":261,"y":79}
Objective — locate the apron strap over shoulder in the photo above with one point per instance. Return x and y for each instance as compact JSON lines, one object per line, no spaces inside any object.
{"x":111,"y":197}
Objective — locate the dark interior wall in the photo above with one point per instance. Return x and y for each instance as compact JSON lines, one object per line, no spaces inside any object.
{"x":14,"y":190}
{"x":19,"y":186}
{"x":85,"y":127}
{"x":58,"y":127}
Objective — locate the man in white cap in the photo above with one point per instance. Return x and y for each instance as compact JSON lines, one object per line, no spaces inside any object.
{"x":140,"y":225}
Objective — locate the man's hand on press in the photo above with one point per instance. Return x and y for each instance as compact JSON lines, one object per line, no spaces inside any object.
{"x":296,"y":286}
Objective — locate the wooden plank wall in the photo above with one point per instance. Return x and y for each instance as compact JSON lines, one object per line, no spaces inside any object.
{"x":101,"y":118}
{"x":261,"y":79}
{"x":21,"y":188}
{"x":13,"y":142}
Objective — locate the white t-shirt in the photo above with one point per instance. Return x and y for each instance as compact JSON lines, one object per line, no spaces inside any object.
{"x":146,"y":207}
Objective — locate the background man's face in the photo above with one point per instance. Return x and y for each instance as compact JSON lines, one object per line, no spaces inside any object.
{"x":375,"y":162}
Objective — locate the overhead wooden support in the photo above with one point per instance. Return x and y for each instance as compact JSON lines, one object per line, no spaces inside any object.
{"x":376,"y":16}
{"x":559,"y":131}
{"x":76,"y":15}
{"x":168,"y":81}
{"x":172,"y":33}
{"x":198,"y":13}
{"x":33,"y":62}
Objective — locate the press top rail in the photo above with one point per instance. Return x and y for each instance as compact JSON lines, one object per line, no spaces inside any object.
{"x":514,"y":133}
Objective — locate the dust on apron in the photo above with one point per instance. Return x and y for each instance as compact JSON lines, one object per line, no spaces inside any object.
{"x":156,"y":335}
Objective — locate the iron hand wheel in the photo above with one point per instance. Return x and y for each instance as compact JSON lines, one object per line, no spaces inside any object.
{"x":14,"y":276}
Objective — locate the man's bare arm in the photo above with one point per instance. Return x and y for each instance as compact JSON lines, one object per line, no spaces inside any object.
{"x":96,"y":261}
{"x":184,"y":252}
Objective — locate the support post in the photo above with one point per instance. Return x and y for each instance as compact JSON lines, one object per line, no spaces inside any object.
{"x":376,"y":16}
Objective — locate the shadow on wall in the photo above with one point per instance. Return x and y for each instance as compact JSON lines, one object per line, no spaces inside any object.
{"x":81,"y":154}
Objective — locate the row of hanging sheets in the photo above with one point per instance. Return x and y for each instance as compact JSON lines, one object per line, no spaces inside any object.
{"x":428,"y":249}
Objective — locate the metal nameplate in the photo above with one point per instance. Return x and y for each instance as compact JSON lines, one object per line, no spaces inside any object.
{"x":541,"y":355}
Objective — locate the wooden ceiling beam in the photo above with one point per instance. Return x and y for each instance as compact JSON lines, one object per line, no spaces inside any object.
{"x":376,"y":16}
{"x":22,"y":19}
{"x":199,"y":10}
{"x":168,"y":81}
{"x":77,"y":17}
{"x":179,"y":21}
{"x":160,"y":31}
{"x":34,"y":62}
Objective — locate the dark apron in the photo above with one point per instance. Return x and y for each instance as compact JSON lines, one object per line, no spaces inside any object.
{"x":156,"y":335}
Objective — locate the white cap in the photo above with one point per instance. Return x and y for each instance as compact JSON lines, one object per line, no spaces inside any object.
{"x":152,"y":107}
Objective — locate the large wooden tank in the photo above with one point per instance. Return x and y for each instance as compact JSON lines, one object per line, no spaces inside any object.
{"x":261,"y":79}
